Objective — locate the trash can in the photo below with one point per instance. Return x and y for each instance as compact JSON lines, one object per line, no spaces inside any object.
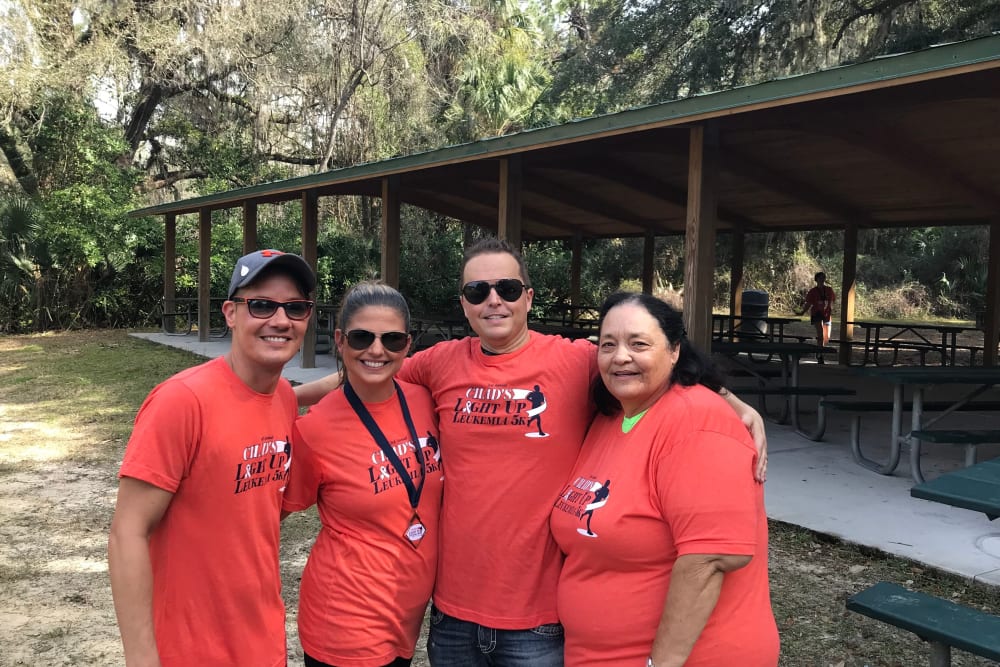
{"x":752,"y":312}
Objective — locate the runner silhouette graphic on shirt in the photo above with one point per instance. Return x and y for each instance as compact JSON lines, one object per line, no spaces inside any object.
{"x":433,"y":444}
{"x":601,"y":493}
{"x":537,"y":399}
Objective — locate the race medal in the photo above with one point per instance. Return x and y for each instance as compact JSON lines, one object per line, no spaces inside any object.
{"x":416,"y":531}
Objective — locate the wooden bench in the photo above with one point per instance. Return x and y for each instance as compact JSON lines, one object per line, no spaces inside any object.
{"x":944,"y":624}
{"x":857,"y":408}
{"x":914,"y":346}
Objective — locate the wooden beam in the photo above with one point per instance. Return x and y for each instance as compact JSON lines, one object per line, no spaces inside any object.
{"x":428,"y":201}
{"x":310,"y":233}
{"x":699,"y":240}
{"x":390,"y":237}
{"x":991,"y":328}
{"x":170,"y":271}
{"x":624,"y":175}
{"x":509,"y":200}
{"x":479,"y":193}
{"x":250,"y":227}
{"x":648,"y":261}
{"x":738,"y":250}
{"x":575,"y":264}
{"x":590,"y":202}
{"x":911,"y":154}
{"x":789,"y":185}
{"x":204,"y":273}
{"x":848,"y":291}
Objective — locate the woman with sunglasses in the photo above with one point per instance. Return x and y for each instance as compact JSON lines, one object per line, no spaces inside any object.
{"x":366,"y":455}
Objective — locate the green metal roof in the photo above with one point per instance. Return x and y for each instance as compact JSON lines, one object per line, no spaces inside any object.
{"x":982,"y":53}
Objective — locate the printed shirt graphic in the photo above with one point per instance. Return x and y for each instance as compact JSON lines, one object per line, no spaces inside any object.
{"x":222,"y":450}
{"x":679,"y":483}
{"x":511,"y":428}
{"x":365,"y":588}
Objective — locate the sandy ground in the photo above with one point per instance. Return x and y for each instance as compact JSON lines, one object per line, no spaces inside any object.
{"x":55,"y":597}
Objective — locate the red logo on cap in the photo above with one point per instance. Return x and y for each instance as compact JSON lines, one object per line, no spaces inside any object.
{"x":271,"y":253}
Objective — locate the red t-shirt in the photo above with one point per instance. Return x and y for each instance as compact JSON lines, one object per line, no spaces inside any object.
{"x":821,"y":301}
{"x":681,"y":482}
{"x":365,"y":588}
{"x":511,"y":428}
{"x":222,"y":450}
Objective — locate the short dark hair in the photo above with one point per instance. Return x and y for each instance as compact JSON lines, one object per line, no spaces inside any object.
{"x":489,"y":246}
{"x":819,"y":276}
{"x":692,"y":367}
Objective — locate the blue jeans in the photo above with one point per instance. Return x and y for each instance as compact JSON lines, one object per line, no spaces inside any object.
{"x":456,"y":643}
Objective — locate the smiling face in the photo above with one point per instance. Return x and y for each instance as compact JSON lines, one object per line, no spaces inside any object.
{"x":502,"y":326}
{"x":370,"y":371}
{"x":634,"y":357}
{"x":262,"y":347}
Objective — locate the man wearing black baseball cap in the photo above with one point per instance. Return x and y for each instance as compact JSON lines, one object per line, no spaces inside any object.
{"x":193,"y":550}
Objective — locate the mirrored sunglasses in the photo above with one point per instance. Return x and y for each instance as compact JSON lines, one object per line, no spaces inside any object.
{"x":508,"y":289}
{"x":265,"y":308}
{"x":360,"y":339}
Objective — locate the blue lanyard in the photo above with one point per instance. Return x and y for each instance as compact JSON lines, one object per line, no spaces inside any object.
{"x":366,"y":418}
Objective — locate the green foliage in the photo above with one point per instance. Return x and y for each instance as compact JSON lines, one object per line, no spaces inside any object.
{"x":428,"y":276}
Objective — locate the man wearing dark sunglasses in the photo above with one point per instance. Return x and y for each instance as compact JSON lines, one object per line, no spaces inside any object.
{"x":193,"y":549}
{"x":495,"y":594}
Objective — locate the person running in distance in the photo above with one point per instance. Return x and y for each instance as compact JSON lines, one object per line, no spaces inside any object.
{"x":819,"y":303}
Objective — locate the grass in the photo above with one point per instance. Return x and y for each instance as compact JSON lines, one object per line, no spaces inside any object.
{"x":67,"y":402}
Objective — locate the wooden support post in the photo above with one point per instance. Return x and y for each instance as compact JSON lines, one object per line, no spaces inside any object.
{"x":848,"y":291}
{"x":170,"y":272}
{"x":738,"y":241}
{"x":250,"y":227}
{"x":310,"y":232}
{"x":991,"y":328}
{"x":509,"y":204}
{"x":204,"y":272}
{"x":699,"y":240}
{"x":575,"y":264}
{"x":390,"y":242}
{"x":648,"y":259}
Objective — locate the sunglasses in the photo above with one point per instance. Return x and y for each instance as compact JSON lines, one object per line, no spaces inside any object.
{"x":394,"y":341}
{"x":265,"y":308}
{"x":508,"y":289}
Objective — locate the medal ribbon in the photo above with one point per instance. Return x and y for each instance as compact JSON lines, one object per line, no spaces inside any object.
{"x":366,"y":418}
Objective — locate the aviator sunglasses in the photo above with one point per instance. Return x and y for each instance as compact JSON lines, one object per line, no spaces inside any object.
{"x":508,"y":289}
{"x":360,"y":339}
{"x":265,"y":308}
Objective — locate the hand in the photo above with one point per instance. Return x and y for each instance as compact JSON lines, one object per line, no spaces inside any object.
{"x":755,"y":424}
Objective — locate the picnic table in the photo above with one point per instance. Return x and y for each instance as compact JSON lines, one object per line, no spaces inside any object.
{"x":919,"y":337}
{"x":179,"y":316}
{"x":790,"y":354}
{"x":918,"y":379}
{"x":430,"y":329}
{"x":727,"y":327}
{"x":974,"y":488}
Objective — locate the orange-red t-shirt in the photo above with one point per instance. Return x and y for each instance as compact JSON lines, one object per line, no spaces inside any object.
{"x":222,"y":450}
{"x":680,"y":482}
{"x":511,"y":428}
{"x":365,"y":588}
{"x":821,"y":301}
